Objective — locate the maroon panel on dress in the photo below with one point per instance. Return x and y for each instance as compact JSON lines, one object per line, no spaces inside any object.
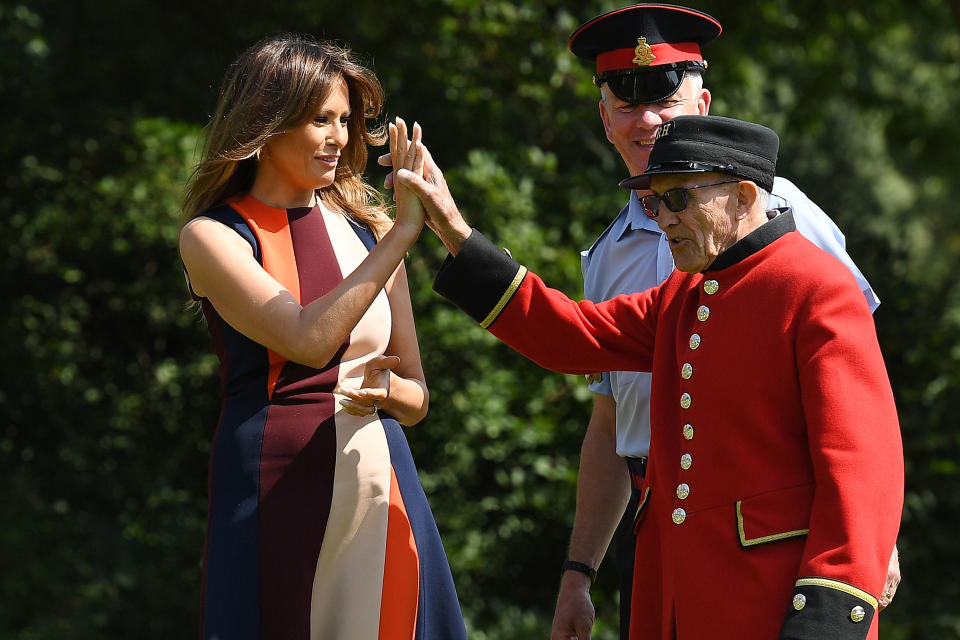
{"x":299,"y":452}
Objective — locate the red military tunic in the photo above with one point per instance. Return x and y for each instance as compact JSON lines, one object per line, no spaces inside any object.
{"x":774,"y":489}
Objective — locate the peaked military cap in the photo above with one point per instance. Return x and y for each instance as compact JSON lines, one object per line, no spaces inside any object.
{"x":642,"y":51}
{"x":697,"y":144}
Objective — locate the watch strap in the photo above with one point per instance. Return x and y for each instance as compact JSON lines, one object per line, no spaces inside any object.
{"x":582,"y":567}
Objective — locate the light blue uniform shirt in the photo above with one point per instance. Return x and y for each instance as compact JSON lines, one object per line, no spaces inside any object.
{"x":632,"y":255}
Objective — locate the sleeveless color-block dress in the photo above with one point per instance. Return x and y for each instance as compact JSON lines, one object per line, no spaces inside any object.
{"x":318,"y":528}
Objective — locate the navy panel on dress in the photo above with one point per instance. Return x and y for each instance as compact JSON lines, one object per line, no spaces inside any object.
{"x":231,"y":569}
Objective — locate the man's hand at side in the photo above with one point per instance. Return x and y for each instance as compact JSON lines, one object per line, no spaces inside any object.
{"x":574,"y":615}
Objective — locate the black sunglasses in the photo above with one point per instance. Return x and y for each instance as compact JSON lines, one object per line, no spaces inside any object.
{"x":675,"y":199}
{"x":643,"y":87}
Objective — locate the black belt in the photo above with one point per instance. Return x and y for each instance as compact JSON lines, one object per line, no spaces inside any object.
{"x":637,"y":466}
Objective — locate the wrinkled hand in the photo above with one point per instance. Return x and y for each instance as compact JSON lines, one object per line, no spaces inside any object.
{"x":892,"y":582}
{"x":573,"y":618}
{"x":406,"y":154}
{"x":443,"y":216}
{"x":375,"y":388}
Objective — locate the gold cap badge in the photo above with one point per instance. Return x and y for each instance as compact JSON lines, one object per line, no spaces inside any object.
{"x":644,"y":56}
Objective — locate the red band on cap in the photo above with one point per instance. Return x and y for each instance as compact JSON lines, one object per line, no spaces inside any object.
{"x":664,"y":53}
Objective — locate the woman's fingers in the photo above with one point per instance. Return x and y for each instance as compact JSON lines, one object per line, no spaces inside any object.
{"x":412,"y":160}
{"x":363,"y":395}
{"x":398,"y":142}
{"x":404,"y":153}
{"x":402,"y":136}
{"x":360,"y":402}
{"x":394,"y":145}
{"x":356,"y":409}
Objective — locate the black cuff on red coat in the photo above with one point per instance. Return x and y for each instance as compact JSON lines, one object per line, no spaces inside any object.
{"x":825,"y":608}
{"x":481,"y":279}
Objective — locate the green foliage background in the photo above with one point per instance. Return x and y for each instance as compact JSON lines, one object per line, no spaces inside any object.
{"x":108,"y":396}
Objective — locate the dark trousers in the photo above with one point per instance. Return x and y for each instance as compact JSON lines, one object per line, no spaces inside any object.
{"x":625,"y":543}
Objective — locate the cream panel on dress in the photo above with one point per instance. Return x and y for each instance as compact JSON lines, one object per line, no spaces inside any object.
{"x":372,"y":334}
{"x":348,"y":582}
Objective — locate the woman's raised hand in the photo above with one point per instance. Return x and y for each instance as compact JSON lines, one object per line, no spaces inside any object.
{"x":407,"y":154}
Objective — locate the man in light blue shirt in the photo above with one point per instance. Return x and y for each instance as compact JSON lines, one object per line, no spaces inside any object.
{"x":649,"y":70}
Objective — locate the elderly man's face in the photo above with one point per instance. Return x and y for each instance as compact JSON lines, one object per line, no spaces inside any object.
{"x":632,"y":128}
{"x":706,"y":226}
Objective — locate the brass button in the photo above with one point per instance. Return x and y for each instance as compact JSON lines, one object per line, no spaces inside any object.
{"x":686,"y":371}
{"x":711,"y":287}
{"x":683,"y":490}
{"x":857,"y":614}
{"x":703,"y":312}
{"x":688,"y":432}
{"x":799,"y":601}
{"x":679,"y":515}
{"x":685,"y":400}
{"x":685,"y":461}
{"x":695,"y":341}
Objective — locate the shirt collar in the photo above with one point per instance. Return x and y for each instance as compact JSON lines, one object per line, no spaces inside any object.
{"x":636,"y":218}
{"x":756,"y":240}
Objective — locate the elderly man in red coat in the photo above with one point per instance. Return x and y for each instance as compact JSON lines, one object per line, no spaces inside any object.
{"x":775,"y":487}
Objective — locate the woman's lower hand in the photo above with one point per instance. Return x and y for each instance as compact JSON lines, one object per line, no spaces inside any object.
{"x":375,"y":389}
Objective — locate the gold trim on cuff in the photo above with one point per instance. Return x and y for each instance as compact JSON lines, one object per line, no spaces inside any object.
{"x":750,"y":542}
{"x":839,"y":586}
{"x":505,"y":298}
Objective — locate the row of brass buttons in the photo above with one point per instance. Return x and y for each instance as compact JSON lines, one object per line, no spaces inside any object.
{"x":686,"y":400}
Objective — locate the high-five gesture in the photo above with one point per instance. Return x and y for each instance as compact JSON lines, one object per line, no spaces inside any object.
{"x":443,"y":216}
{"x":423,"y":179}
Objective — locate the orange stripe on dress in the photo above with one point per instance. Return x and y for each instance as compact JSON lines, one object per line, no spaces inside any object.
{"x":401,"y":572}
{"x":272,"y":227}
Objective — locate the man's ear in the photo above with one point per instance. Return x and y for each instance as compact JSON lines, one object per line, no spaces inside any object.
{"x":747,"y":194}
{"x":605,"y":117}
{"x":703,"y":102}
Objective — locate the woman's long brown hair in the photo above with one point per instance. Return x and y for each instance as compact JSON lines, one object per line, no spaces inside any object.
{"x":277,"y":84}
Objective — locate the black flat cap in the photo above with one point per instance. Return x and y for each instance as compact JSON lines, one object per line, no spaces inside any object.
{"x":698,"y":144}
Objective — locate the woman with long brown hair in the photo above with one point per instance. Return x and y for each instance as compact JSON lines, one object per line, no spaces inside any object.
{"x":318,"y":526}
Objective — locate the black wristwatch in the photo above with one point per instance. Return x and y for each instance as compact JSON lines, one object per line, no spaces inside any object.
{"x":573,"y":565}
